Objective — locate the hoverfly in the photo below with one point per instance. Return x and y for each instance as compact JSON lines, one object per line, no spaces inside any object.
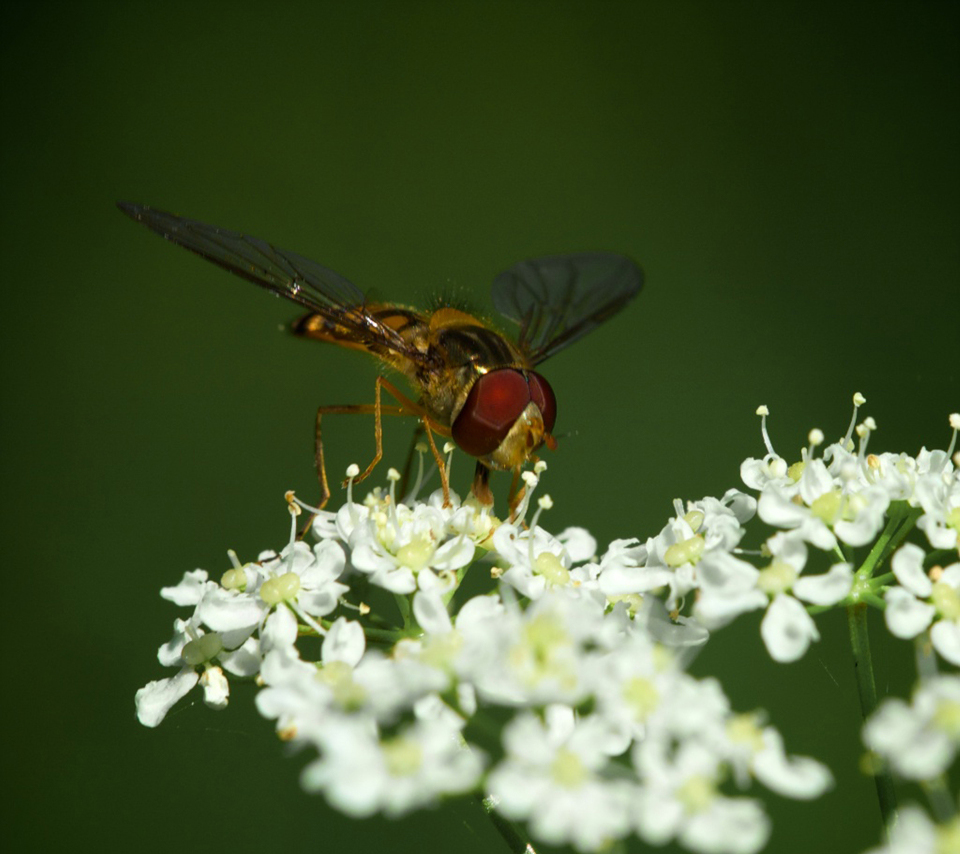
{"x":474,"y":385}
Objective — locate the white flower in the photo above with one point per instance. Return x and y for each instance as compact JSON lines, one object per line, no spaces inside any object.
{"x":920,"y":740}
{"x":196,"y":654}
{"x":403,"y":548}
{"x":787,"y":629}
{"x":362,"y":774}
{"x":535,"y":560}
{"x":759,"y":750}
{"x":551,"y":778}
{"x":920,"y":601}
{"x":679,"y":799}
{"x":156,"y":698}
{"x":730,"y":586}
{"x":914,"y":833}
{"x":632,"y":683}
{"x":316,"y":590}
{"x":938,"y":493}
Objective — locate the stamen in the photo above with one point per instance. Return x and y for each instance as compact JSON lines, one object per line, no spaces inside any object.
{"x":544,"y":503}
{"x":411,"y":496}
{"x":290,"y":496}
{"x":864,"y":429}
{"x":955,"y":424}
{"x":352,"y":471}
{"x":234,"y":560}
{"x":763,"y":412}
{"x":815,"y":438}
{"x":448,"y":448}
{"x":393,"y":476}
{"x":858,"y":401}
{"x":530,"y":481}
{"x":303,"y":615}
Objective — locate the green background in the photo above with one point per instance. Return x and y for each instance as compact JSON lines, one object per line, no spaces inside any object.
{"x":786,"y":173}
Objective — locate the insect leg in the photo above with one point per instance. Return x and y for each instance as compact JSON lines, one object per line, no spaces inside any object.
{"x":441,"y":466}
{"x":405,"y":478}
{"x":348,"y":409}
{"x":516,"y":493}
{"x":406,"y":407}
{"x":481,"y":484}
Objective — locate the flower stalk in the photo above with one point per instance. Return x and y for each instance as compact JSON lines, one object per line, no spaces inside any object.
{"x":867,"y":690}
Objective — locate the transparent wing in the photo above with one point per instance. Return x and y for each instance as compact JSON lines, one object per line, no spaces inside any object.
{"x":560,"y":298}
{"x":286,"y":274}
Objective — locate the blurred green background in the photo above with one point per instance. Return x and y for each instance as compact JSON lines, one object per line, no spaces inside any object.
{"x":786,"y":173}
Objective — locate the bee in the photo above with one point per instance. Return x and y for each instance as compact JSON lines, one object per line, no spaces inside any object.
{"x":473,"y":384}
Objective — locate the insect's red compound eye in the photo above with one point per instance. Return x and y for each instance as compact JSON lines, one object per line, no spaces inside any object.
{"x":542,"y":395}
{"x":495,"y":402}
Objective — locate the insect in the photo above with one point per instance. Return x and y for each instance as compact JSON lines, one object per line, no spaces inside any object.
{"x":473,"y":384}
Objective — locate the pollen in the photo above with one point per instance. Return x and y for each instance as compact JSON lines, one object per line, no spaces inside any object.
{"x":284,"y":588}
{"x":827,"y":507}
{"x":688,"y":551}
{"x":234,"y":579}
{"x":946,"y":600}
{"x":642,"y":696}
{"x":743,"y":729}
{"x":567,"y":770}
{"x":403,"y":757}
{"x":696,"y":794}
{"x":550,"y":567}
{"x":777,"y":578}
{"x":204,"y":648}
{"x":417,"y":553}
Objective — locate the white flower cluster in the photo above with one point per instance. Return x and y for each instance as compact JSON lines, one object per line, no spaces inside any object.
{"x":607,"y":735}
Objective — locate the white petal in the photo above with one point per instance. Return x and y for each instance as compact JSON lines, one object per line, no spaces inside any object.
{"x":216,"y":689}
{"x":721,"y":571}
{"x":905,"y":615}
{"x":790,"y":548}
{"x":319,"y":603}
{"x":716,"y":609}
{"x":814,"y":531}
{"x":431,"y":613}
{"x":531,"y":586}
{"x":797,"y":777}
{"x":190,"y":589}
{"x":324,"y":525}
{"x":787,"y":629}
{"x":453,"y":554}
{"x":344,"y":642}
{"x":939,"y":536}
{"x":825,"y":589}
{"x":619,"y":580}
{"x":945,"y":635}
{"x":155,"y":699}
{"x":279,"y":631}
{"x":227,"y":610}
{"x":366,"y":558}
{"x":729,"y":826}
{"x":579,"y":543}
{"x":815,"y":481}
{"x":169,"y":654}
{"x":243,"y":661}
{"x":398,"y":580}
{"x":907,"y":566}
{"x":869,"y":507}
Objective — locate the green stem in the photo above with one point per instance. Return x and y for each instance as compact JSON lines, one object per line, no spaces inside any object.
{"x":403,"y":603}
{"x":941,"y":803}
{"x":388,"y":636}
{"x":863,"y":666}
{"x":891,"y":537}
{"x":515,"y":838}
